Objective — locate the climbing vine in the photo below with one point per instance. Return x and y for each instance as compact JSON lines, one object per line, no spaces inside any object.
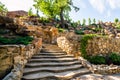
{"x":84,"y":43}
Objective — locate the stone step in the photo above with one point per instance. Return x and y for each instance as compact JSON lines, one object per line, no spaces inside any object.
{"x":52,"y":64}
{"x":67,"y":75}
{"x":52,"y":51}
{"x":53,"y":60}
{"x":51,"y":54}
{"x":52,"y":69}
{"x":46,"y":56}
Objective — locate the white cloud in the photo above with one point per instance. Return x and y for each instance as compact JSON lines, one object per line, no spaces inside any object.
{"x":114,"y":3}
{"x":79,"y":3}
{"x":99,"y":5}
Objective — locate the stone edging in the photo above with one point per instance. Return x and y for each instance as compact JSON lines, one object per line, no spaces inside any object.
{"x":100,"y":69}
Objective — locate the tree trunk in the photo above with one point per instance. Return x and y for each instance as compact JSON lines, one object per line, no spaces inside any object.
{"x":62,"y":18}
{"x":37,"y":12}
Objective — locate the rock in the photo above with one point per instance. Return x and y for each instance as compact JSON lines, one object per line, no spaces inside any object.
{"x":19,"y":13}
{"x":4,"y":20}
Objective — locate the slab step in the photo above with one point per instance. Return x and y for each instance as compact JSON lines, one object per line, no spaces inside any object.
{"x":53,"y":51}
{"x":53,"y":60}
{"x":46,"y":56}
{"x":61,"y":75}
{"x":51,"y":54}
{"x":52,"y":64}
{"x":52,"y":69}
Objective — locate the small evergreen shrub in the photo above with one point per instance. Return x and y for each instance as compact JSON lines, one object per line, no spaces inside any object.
{"x":114,"y":58}
{"x":18,"y":40}
{"x":97,"y":59}
{"x":61,"y":29}
{"x":80,"y":32}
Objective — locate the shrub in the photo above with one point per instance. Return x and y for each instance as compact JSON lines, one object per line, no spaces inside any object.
{"x":97,"y":59}
{"x":18,"y":40}
{"x":115,"y":58}
{"x":61,"y":29}
{"x":44,"y":20}
{"x":80,"y":32}
{"x":3,"y":31}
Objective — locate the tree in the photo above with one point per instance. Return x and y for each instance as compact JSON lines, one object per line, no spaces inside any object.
{"x":116,"y":20}
{"x":30,"y":12}
{"x":84,"y":22}
{"x":94,"y":21}
{"x":3,"y":9}
{"x":78,"y":22}
{"x":89,"y":21}
{"x":54,"y":8}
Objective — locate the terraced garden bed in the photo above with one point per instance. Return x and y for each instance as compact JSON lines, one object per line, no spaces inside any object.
{"x":100,"y":54}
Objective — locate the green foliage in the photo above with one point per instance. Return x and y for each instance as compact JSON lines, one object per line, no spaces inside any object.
{"x":80,"y":32}
{"x":94,"y":21}
{"x":2,"y":31}
{"x":47,"y":7}
{"x":30,"y":12}
{"x":78,"y":22}
{"x":44,"y":20}
{"x":52,"y":8}
{"x":89,"y":21}
{"x":117,"y":24}
{"x":115,"y":58}
{"x":18,"y":40}
{"x":97,"y":59}
{"x":116,"y":20}
{"x":112,"y":58}
{"x":3,"y":9}
{"x":61,"y":29}
{"x":74,"y":24}
{"x":84,"y":22}
{"x":84,"y":43}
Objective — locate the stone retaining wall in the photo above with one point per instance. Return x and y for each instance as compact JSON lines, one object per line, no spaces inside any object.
{"x":14,"y":57}
{"x":103,"y":45}
{"x":69,"y":46}
{"x":97,"y":45}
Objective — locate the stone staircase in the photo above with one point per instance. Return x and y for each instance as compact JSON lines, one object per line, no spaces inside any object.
{"x":53,"y":64}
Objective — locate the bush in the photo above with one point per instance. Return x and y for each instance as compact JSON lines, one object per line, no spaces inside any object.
{"x":44,"y":20}
{"x":97,"y":59}
{"x":114,"y":58}
{"x":80,"y":32}
{"x":61,"y":29}
{"x":18,"y":40}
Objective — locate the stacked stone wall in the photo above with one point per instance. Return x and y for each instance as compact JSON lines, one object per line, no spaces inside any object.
{"x":14,"y":57}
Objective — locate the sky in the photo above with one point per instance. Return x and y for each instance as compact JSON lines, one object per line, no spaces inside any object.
{"x":105,"y":10}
